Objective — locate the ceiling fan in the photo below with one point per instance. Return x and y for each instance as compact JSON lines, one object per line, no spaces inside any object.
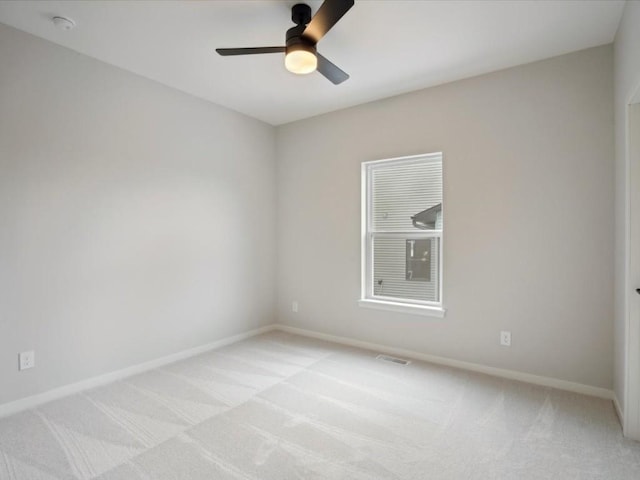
{"x":301,"y":56}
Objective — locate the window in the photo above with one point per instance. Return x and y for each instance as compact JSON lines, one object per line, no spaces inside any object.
{"x":402,"y":234}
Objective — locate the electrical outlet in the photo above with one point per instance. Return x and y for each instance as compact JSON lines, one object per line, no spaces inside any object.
{"x":505,"y":338}
{"x":26,"y":360}
{"x":294,"y":306}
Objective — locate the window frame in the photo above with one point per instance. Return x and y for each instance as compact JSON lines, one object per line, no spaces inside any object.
{"x":368,"y":234}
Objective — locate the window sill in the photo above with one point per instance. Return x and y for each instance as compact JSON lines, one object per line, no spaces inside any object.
{"x":425,"y":310}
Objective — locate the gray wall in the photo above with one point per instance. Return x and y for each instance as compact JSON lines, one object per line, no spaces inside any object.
{"x":529,"y":201}
{"x":135,"y":221}
{"x":627,"y":78}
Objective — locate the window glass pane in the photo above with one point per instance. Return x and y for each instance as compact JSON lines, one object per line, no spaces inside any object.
{"x":418,"y":258}
{"x":407,"y":196}
{"x":396,"y":273}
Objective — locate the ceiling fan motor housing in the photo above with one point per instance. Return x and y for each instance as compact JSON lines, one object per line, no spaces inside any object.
{"x":296,"y":41}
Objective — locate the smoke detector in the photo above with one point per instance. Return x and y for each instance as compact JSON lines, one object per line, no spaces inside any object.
{"x":63,"y":23}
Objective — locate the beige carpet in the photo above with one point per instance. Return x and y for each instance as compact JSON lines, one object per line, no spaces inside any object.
{"x":280,"y":407}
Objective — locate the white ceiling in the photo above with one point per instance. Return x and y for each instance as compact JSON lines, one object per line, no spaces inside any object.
{"x":387,"y":46}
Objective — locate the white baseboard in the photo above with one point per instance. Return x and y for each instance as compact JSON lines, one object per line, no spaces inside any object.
{"x":66,"y":390}
{"x":474,"y":367}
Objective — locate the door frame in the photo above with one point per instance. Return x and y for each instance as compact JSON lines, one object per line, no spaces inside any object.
{"x":631,"y":417}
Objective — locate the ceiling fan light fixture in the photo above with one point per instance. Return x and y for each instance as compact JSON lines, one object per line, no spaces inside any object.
{"x":301,"y":59}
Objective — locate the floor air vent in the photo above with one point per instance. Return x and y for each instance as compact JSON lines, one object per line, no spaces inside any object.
{"x":388,"y":358}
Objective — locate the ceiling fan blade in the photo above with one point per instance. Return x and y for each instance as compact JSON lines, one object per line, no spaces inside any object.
{"x":249,"y":51}
{"x":330,"y":71}
{"x":326,"y":17}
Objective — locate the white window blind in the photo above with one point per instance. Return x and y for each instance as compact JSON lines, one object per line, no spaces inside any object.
{"x":402,"y":229}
